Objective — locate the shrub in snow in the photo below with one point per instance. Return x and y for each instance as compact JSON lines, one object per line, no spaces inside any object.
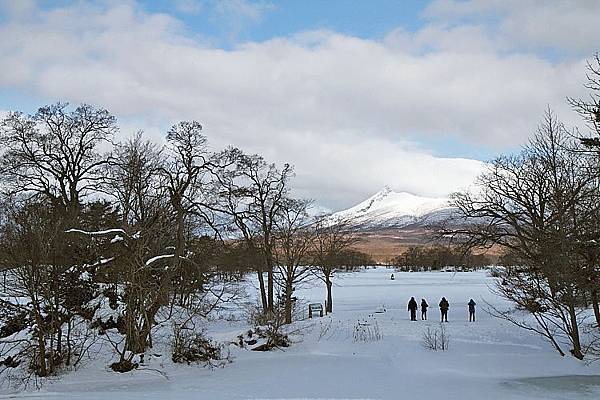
{"x":263,"y":338}
{"x":268,"y":329}
{"x":10,"y":362}
{"x":275,"y":338}
{"x":366,"y":330}
{"x":190,"y":347}
{"x":333,"y":329}
{"x":324,"y":328}
{"x":436,"y":339}
{"x":256,"y":316}
{"x":13,"y":320}
{"x":123,"y":366}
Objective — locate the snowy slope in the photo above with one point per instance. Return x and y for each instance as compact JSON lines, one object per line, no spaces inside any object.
{"x":389,"y":209}
{"x":489,"y":359}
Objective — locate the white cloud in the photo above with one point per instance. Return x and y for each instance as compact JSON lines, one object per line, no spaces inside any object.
{"x":342,"y":109}
{"x":236,"y":15}
{"x":565,"y":25}
{"x":345,"y":171}
{"x":192,"y":7}
{"x":242,"y":9}
{"x":17,"y":9}
{"x":461,"y":39}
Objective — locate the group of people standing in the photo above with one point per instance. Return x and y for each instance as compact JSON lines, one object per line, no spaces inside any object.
{"x":444,"y":306}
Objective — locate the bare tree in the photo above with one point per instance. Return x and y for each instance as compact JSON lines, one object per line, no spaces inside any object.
{"x":46,"y":273}
{"x":156,"y":252}
{"x":528,"y":204}
{"x":293,"y":241}
{"x":252,"y":192}
{"x":188,"y":177}
{"x":48,"y":163}
{"x":132,"y":178}
{"x":589,"y":244}
{"x":332,"y":239}
{"x":589,"y":108}
{"x":27,"y":247}
{"x":54,"y":152}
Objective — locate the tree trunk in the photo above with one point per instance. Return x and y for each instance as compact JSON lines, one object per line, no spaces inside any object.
{"x":329,"y":284}
{"x":270,"y":289}
{"x":270,"y":280}
{"x":69,"y":350}
{"x":42,"y":371}
{"x":596,"y":307}
{"x":574,"y":332}
{"x":288,"y":302}
{"x":263,"y":293}
{"x":268,"y":259}
{"x":42,"y":368}
{"x":59,"y":335}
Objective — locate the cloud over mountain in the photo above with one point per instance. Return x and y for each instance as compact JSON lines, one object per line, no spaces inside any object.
{"x":351,"y":114}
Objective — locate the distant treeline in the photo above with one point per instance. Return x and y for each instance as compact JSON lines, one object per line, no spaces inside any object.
{"x":438,"y":256}
{"x":235,"y":260}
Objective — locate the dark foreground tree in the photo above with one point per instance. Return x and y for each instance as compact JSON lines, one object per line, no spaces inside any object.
{"x":589,"y":247}
{"x":533,"y":205}
{"x":49,"y":162}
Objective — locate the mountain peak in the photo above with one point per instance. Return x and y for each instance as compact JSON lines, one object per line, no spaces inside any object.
{"x":383,"y":193}
{"x":391,"y":208}
{"x":386,"y":189}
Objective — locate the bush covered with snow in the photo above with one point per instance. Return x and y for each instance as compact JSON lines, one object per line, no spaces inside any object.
{"x":189,"y":347}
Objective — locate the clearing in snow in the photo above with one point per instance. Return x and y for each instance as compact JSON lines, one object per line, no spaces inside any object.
{"x":359,"y":353}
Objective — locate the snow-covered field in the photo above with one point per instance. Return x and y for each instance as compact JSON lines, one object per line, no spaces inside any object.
{"x":488,"y":359}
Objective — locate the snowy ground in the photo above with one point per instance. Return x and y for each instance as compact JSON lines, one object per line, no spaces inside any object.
{"x":488,"y":359}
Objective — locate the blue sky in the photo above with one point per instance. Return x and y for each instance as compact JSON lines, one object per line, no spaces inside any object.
{"x":356,"y":94}
{"x":366,"y":19}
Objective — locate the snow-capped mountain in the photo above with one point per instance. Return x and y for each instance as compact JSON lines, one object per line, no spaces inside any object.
{"x":389,"y":209}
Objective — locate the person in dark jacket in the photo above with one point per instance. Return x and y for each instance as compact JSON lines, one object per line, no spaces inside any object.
{"x":412,"y":307}
{"x":472,"y":305}
{"x":444,"y":306}
{"x":424,"y":307}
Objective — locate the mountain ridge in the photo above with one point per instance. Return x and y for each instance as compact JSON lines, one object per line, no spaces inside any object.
{"x":389,"y":209}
